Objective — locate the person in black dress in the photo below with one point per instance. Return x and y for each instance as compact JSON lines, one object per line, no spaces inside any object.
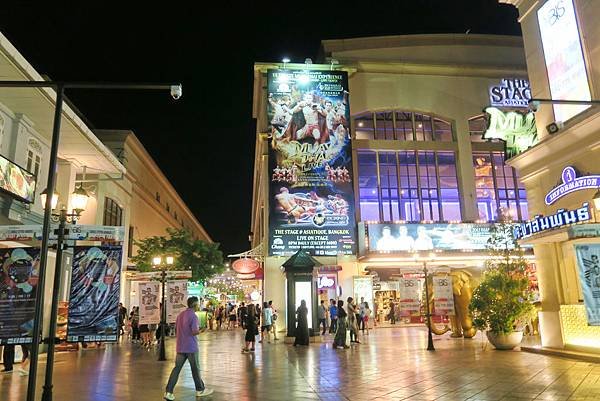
{"x":251,"y":328}
{"x":302,"y":324}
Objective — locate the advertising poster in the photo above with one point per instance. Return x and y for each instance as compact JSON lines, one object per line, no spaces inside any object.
{"x":18,"y":283}
{"x":443,"y":299}
{"x":149,"y":302}
{"x":94,"y":300}
{"x":177,"y":295}
{"x":310,"y":163}
{"x":16,"y":180}
{"x":588,"y":261}
{"x":564,"y":56}
{"x":410,"y":302}
{"x":423,"y":237}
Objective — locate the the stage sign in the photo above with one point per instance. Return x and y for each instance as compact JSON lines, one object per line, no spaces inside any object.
{"x":588,"y":260}
{"x":517,"y":130}
{"x":572,"y":183}
{"x":511,"y":92}
{"x":413,"y":237}
{"x":18,"y":283}
{"x":94,"y":299}
{"x":177,"y":294}
{"x":17,"y":181}
{"x":310,"y":163}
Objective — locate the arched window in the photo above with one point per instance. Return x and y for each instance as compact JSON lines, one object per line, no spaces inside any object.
{"x":402,"y":126}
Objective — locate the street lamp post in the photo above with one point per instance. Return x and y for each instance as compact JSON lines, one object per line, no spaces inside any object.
{"x":80,"y":199}
{"x":157,"y":262}
{"x":59,"y":87}
{"x":430,"y":346}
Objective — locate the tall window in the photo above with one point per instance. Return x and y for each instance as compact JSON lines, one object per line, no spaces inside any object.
{"x":408,"y":185}
{"x":113,"y":213}
{"x":402,"y":126}
{"x":130,"y":242}
{"x":34,"y":157}
{"x":497,"y":187}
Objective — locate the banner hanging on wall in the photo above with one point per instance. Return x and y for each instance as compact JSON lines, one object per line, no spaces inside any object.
{"x":410,"y":296}
{"x":94,"y":297}
{"x":588,"y":261}
{"x":149,"y":294}
{"x":310,"y":163}
{"x":177,"y":295}
{"x":443,"y":299}
{"x":18,"y":283}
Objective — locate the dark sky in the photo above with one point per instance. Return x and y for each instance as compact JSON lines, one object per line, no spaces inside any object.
{"x":204,"y":142}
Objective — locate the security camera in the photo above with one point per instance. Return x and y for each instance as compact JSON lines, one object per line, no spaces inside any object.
{"x":176,"y":91}
{"x":534,"y":105}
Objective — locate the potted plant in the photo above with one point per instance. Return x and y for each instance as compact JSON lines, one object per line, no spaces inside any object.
{"x":502,"y":303}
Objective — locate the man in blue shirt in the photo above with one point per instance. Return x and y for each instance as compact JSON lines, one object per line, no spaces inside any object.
{"x":333,"y":316}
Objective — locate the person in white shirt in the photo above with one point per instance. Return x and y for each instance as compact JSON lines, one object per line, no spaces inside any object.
{"x":423,"y":241}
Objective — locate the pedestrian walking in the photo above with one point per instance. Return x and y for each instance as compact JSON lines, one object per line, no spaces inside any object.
{"x":122,"y":318}
{"x":333,"y":315}
{"x":134,"y":319}
{"x":274,"y":320}
{"x":361,"y":314}
{"x":322,"y":316}
{"x":392,"y":312}
{"x":267,"y":321}
{"x":242,"y":312}
{"x":301,"y":325}
{"x":352,"y":320}
{"x":366,"y":318}
{"x":187,"y":329}
{"x":251,"y":329}
{"x":340,"y":333}
{"x":8,"y":358}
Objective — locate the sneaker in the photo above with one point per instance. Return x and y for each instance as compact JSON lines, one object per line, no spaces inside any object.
{"x":204,"y":393}
{"x":23,"y":372}
{"x":6,"y":371}
{"x":245,"y":351}
{"x":169,"y":396}
{"x":252,"y":349}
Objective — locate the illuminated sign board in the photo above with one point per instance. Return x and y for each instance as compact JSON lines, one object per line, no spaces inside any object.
{"x":324,"y":282}
{"x":572,"y":183}
{"x":588,"y":261}
{"x":564,"y":56}
{"x":511,"y":92}
{"x":398,"y":237}
{"x":517,"y":130}
{"x":17,"y":181}
{"x":544,"y":223}
{"x":311,"y":194}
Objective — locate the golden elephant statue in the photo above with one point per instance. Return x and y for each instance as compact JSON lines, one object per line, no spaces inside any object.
{"x":461,"y":323}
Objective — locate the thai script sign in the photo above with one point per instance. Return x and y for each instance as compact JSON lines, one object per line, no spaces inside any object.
{"x":543,"y":223}
{"x":588,"y":260}
{"x":517,"y":130}
{"x":511,"y":92}
{"x":572,"y":183}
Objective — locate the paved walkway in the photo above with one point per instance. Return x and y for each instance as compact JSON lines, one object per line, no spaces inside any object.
{"x":391,"y":364}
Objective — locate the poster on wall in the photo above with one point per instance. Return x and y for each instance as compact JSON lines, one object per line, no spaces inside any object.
{"x":149,"y":302}
{"x":94,"y":297}
{"x":17,"y":181}
{"x":410,"y":296}
{"x":18,"y":283}
{"x":564,"y":56}
{"x":443,"y":299}
{"x":398,"y":237}
{"x":588,"y":261}
{"x":310,"y":163}
{"x":177,"y":295}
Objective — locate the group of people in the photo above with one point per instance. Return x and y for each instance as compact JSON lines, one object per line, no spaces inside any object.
{"x":353,"y":318}
{"x":254,"y":317}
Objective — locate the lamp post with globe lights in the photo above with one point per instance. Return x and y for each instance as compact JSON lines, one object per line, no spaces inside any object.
{"x":158,"y":262}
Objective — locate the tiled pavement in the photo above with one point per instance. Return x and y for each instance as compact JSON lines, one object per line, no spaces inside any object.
{"x":391,"y":364}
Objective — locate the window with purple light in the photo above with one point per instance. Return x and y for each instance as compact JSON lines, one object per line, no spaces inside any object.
{"x":446,"y":163}
{"x":401,"y":126}
{"x":388,"y":178}
{"x":364,"y":127}
{"x":429,"y":187}
{"x":367,"y":184}
{"x":384,"y":126}
{"x":409,"y":192}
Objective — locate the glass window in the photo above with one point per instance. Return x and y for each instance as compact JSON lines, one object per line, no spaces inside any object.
{"x":113,"y":213}
{"x":130,"y":242}
{"x":402,"y":126}
{"x":442,"y":131}
{"x":367,"y":184}
{"x":364,"y":127}
{"x":384,"y":127}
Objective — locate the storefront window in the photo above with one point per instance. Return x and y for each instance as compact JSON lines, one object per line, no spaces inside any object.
{"x":497,"y":187}
{"x":411,"y":186}
{"x":402,"y":126}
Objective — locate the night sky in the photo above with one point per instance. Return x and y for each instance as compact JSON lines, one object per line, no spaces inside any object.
{"x":204,"y":143}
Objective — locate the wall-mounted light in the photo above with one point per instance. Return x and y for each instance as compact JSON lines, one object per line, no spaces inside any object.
{"x":79,"y":199}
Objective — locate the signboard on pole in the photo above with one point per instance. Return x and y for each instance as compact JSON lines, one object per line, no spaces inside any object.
{"x":410,"y":297}
{"x":94,"y":297}
{"x":443,"y":299}
{"x":588,"y":261}
{"x":149,"y":302}
{"x":177,"y":295}
{"x":310,"y":164}
{"x":18,"y":283}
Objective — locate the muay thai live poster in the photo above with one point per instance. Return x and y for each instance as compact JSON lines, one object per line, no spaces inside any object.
{"x":94,"y":299}
{"x":18,"y":284}
{"x":310,"y":163}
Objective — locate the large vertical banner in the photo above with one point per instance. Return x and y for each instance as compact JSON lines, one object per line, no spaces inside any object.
{"x":443,"y":299}
{"x":310,"y":163}
{"x":588,"y":260}
{"x":410,"y":297}
{"x":18,"y":283}
{"x":564,"y":56}
{"x":177,"y":294}
{"x":149,"y":302}
{"x":94,"y":299}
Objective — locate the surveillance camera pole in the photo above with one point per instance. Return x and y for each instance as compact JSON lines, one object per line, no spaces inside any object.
{"x":59,"y":88}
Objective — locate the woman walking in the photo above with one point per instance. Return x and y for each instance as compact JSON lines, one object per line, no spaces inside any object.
{"x":340,"y":334}
{"x":302,"y":324}
{"x":352,"y":321}
{"x":366,"y":318}
{"x":251,"y":329}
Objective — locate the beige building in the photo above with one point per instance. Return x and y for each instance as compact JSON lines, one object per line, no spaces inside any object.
{"x":562,"y":44}
{"x":416,"y":107}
